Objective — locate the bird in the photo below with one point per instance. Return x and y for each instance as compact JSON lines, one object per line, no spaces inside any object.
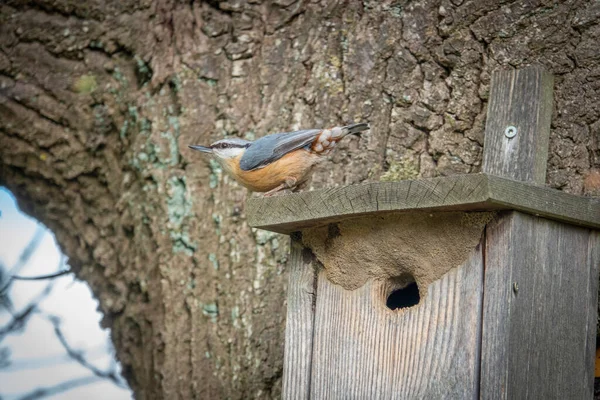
{"x":278,"y":161}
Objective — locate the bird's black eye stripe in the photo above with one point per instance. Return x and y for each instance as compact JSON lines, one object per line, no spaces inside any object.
{"x":230,"y":145}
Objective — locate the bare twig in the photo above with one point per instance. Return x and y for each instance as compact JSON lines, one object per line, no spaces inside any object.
{"x":26,"y":254}
{"x":29,"y":250}
{"x":47,"y":361}
{"x":41,"y":277}
{"x":77,"y":355}
{"x":61,"y":387}
{"x":4,"y":357}
{"x":20,"y":319}
{"x":5,"y":300}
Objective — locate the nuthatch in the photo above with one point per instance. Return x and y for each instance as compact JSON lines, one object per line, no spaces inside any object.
{"x":278,"y":161}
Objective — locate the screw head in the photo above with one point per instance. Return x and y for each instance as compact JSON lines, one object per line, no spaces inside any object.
{"x":510,"y":131}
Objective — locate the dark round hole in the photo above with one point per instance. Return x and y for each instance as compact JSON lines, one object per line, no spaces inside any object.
{"x":407,"y":296}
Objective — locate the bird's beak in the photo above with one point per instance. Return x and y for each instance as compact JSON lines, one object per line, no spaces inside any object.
{"x":203,"y":149}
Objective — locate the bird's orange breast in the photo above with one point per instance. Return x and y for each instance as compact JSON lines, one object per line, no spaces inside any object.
{"x":296,"y":164}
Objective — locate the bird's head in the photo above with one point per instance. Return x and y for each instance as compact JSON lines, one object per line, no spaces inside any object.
{"x":225,"y":149}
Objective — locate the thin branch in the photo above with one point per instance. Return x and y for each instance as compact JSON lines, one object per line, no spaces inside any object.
{"x":26,"y":254}
{"x":18,"y":321}
{"x":77,"y":355}
{"x":21,"y":318}
{"x":4,"y":357}
{"x":61,"y":387}
{"x":30,"y":249}
{"x":41,"y":277}
{"x":53,"y":360}
{"x":5,"y":300}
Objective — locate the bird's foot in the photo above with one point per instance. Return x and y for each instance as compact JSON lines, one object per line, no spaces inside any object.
{"x":288,"y":183}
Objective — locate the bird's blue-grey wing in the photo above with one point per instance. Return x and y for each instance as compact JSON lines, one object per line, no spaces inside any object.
{"x":272,"y":147}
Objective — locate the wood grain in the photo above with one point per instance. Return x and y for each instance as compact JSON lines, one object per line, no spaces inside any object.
{"x":301,"y":297}
{"x":472,"y":192}
{"x":293,"y":212}
{"x":539,"y":315}
{"x":541,"y":201}
{"x":516,"y":320}
{"x":363,"y":350}
{"x":521,"y":98}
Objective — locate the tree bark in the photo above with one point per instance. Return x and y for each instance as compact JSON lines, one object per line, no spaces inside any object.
{"x":99,"y":100}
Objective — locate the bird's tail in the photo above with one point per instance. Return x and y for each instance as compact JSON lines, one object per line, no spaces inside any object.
{"x":356,"y":128}
{"x":327,"y":139}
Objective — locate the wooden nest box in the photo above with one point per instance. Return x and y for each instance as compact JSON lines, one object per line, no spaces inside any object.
{"x":459,"y":287}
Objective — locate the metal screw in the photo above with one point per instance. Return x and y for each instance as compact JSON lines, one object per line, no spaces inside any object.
{"x":515,"y":287}
{"x":510,"y":132}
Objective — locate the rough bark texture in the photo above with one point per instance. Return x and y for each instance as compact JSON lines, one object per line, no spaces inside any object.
{"x":98,"y":100}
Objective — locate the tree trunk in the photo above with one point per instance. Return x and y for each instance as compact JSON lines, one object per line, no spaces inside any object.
{"x":99,"y":100}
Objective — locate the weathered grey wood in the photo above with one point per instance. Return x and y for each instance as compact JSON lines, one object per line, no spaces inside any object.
{"x":293,"y":212}
{"x":301,"y":298}
{"x":521,"y":98}
{"x":363,"y":350}
{"x":544,"y":202}
{"x":514,"y":321}
{"x":539,"y":312}
{"x":473,"y":192}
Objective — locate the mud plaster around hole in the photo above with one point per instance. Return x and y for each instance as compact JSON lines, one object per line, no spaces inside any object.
{"x":424,"y":245}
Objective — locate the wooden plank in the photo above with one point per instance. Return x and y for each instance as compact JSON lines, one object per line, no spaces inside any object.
{"x":522,"y":99}
{"x":542,"y":201}
{"x":472,"y":192}
{"x":301,"y":296}
{"x":363,"y":350}
{"x":539,"y":311}
{"x":297,"y":211}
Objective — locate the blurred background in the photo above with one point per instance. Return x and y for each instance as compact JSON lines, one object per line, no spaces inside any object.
{"x":51,"y":341}
{"x":100,"y":99}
